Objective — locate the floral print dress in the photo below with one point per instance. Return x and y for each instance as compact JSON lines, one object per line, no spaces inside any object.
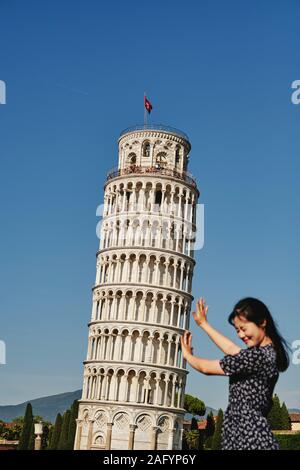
{"x":253,"y":374}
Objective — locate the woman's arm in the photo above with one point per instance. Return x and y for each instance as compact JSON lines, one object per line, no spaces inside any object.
{"x":205,"y":366}
{"x":224,"y":343}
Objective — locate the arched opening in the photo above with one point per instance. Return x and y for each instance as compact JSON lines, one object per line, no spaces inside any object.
{"x":132,"y":158}
{"x":146,"y":149}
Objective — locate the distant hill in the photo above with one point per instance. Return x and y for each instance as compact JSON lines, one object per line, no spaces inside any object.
{"x":47,"y":407}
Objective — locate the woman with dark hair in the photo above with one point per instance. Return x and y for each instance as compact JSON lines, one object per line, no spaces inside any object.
{"x":253,"y":372}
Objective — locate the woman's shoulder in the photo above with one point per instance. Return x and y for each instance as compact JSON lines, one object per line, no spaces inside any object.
{"x":253,"y":359}
{"x":267,"y":354}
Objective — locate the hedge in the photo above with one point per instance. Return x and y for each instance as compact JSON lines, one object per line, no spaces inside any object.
{"x":288,"y":441}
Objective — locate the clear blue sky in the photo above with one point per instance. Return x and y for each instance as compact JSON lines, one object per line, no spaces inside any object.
{"x":75,"y":75}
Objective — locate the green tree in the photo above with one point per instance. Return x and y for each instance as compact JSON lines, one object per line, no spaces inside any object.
{"x":191,"y":439}
{"x":63,"y":439}
{"x":72,"y":425}
{"x":2,"y":427}
{"x":209,"y":430}
{"x":195,"y":407}
{"x":285,"y":417}
{"x":53,"y":445}
{"x":46,"y":434}
{"x":275,"y":416}
{"x":27,"y":429}
{"x":32,"y":437}
{"x":47,"y":447}
{"x":216,"y":440}
{"x":14,"y":430}
{"x":194,"y":424}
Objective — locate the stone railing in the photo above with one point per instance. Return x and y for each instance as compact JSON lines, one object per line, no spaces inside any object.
{"x":157,"y":170}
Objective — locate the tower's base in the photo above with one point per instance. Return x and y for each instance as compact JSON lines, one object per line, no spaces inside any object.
{"x":127,"y":426}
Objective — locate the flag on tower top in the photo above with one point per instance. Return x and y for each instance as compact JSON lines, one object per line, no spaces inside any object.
{"x":147,"y":104}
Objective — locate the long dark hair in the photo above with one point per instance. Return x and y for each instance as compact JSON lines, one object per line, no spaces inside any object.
{"x":256,"y":311}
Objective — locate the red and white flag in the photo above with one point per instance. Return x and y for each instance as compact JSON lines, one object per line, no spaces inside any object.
{"x":147,"y":104}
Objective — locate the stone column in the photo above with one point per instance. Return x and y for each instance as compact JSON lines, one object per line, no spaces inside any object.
{"x":105,"y":205}
{"x":131,"y":308}
{"x":124,"y":201}
{"x":179,"y":394}
{"x":161,"y":339}
{"x":153,"y":438}
{"x":116,"y":202}
{"x":108,"y":435}
{"x":143,"y":307}
{"x":173,"y":392}
{"x":132,"y":428}
{"x":134,"y":388}
{"x":165,"y":276}
{"x":90,"y":434}
{"x":169,"y":351}
{"x":181,"y":277}
{"x":98,"y":385}
{"x":152,"y":309}
{"x":127,"y":269}
{"x":185,"y":317}
{"x":175,"y":275}
{"x":164,"y":399}
{"x":122,"y":307}
{"x":163,"y":197}
{"x":156,"y":272}
{"x":78,"y":434}
{"x":105,"y":313}
{"x":179,"y":204}
{"x":103,"y":389}
{"x":192,"y":209}
{"x":164,"y":301}
{"x":149,"y":350}
{"x":136,"y":399}
{"x":118,"y":270}
{"x":159,"y":238}
{"x":186,"y":206}
{"x":114,"y":386}
{"x":187,"y":279}
{"x":98,"y":273}
{"x":171,"y":438}
{"x":118,"y":345}
{"x":180,"y":439}
{"x":182,"y":393}
{"x":157,"y":391}
{"x":139,"y":348}
{"x":179,"y":312}
{"x":176,"y":353}
{"x":127,"y":348}
{"x":184,"y":247}
{"x":172,"y":208}
{"x":172,"y":312}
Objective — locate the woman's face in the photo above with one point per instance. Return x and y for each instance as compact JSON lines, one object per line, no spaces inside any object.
{"x":249,"y":332}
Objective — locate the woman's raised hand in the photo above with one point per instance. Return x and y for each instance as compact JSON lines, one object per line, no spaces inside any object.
{"x":186,"y":344}
{"x":200,"y":316}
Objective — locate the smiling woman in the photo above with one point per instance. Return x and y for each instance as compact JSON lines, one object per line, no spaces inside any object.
{"x":253,"y":372}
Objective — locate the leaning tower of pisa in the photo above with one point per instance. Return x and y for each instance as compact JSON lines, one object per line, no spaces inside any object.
{"x":134,"y":373}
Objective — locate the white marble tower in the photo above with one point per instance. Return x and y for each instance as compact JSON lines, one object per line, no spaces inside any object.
{"x":134,"y":374}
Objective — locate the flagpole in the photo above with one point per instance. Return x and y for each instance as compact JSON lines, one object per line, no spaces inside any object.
{"x":145,"y":112}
